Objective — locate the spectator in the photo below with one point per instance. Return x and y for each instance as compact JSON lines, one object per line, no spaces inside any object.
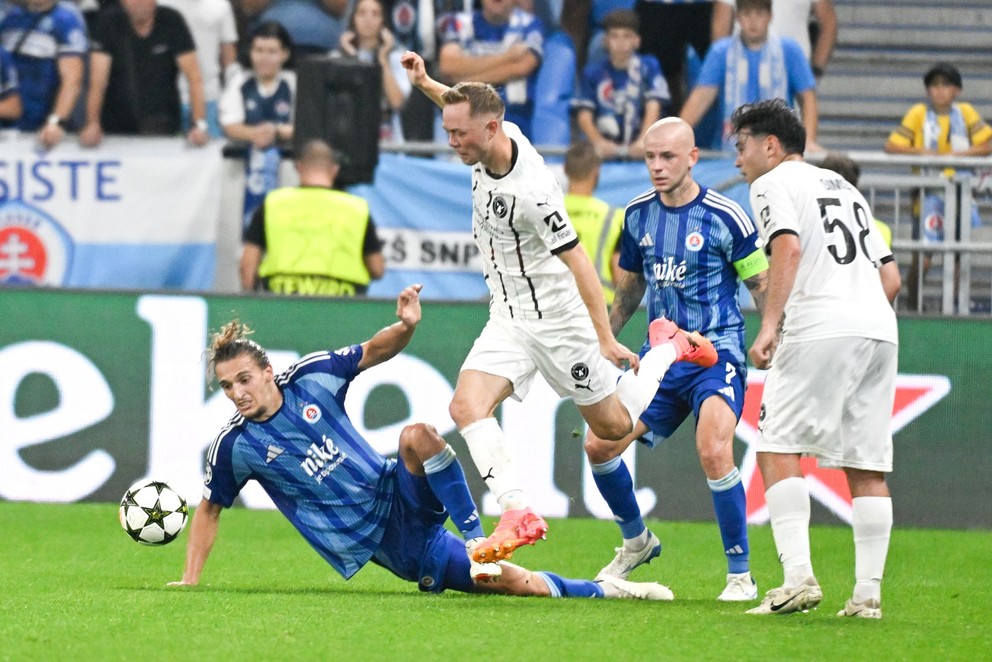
{"x":47,"y":41}
{"x":501,"y":45}
{"x":10,"y":92}
{"x":621,"y":97}
{"x":941,"y":126}
{"x":315,"y":240}
{"x":315,"y":26}
{"x":139,"y":49}
{"x":257,"y":108}
{"x":369,"y":40}
{"x":597,"y":223}
{"x":211,"y":22}
{"x":668,"y":27}
{"x":851,"y":172}
{"x":753,"y":66}
{"x":791,"y":18}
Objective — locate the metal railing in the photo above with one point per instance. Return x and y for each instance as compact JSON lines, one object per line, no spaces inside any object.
{"x":959,"y":278}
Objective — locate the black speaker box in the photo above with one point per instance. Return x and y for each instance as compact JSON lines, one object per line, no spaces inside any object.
{"x":338,"y":100}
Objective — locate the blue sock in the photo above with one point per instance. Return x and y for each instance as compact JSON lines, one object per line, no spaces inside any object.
{"x":729,"y":503}
{"x":617,"y":487}
{"x":570,"y":588}
{"x":447,"y":481}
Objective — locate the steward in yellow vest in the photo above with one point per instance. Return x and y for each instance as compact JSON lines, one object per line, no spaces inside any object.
{"x":597,"y":223}
{"x":316,"y":241}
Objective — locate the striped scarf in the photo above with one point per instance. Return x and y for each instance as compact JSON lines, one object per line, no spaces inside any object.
{"x":773,"y":80}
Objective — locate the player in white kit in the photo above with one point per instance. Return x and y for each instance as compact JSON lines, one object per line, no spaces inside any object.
{"x":828,"y":336}
{"x":547,"y":312}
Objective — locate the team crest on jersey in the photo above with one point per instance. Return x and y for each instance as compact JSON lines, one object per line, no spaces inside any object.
{"x":311,"y":413}
{"x":500,"y":207}
{"x":34,"y":248}
{"x":404,"y":18}
{"x":694,"y":241}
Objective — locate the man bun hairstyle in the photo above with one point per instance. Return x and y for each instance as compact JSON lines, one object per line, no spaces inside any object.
{"x":231,"y":342}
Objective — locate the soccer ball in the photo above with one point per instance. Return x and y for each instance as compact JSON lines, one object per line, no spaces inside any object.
{"x":152,"y":513}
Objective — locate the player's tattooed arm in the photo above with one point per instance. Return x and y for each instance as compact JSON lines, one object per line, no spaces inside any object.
{"x":629,"y":292}
{"x":757,"y":285}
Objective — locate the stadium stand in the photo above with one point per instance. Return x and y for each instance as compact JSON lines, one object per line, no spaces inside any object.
{"x":883,"y":49}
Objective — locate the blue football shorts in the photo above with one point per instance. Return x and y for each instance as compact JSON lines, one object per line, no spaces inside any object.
{"x":683,"y":390}
{"x":415,"y":545}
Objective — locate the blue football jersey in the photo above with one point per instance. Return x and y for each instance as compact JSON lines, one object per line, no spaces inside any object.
{"x":322,"y":475}
{"x":36,"y":41}
{"x":687,"y":256}
{"x":276,"y":107}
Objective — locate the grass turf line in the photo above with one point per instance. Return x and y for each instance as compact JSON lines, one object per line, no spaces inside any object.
{"x":75,"y":587}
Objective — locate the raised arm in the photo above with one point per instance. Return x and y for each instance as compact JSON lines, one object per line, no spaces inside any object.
{"x":390,"y":341}
{"x":417,"y":73}
{"x":202,"y":533}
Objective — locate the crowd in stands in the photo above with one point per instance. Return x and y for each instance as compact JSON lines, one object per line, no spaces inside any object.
{"x":162,"y":67}
{"x":225,"y":69}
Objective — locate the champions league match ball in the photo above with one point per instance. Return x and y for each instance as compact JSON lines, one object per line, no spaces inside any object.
{"x":152,"y":513}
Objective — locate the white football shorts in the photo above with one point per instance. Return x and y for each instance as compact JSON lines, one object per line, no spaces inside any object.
{"x":565,"y":350}
{"x":831,"y":399}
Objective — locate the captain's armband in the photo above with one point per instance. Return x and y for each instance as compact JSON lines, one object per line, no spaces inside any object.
{"x":753,"y":264}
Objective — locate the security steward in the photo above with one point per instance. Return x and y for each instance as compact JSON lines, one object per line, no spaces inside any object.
{"x":310,"y":239}
{"x":596,"y":222}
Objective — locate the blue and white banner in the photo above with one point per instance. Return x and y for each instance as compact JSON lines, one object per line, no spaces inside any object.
{"x":139,"y":214}
{"x":422,"y":209}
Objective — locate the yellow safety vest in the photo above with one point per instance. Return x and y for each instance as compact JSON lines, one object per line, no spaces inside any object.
{"x":589,"y":217}
{"x":313,"y":242}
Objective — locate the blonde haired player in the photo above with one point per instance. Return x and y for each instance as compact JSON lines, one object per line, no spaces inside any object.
{"x":546,"y":310}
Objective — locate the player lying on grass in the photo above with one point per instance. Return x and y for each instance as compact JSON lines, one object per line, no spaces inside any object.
{"x":353,"y":505}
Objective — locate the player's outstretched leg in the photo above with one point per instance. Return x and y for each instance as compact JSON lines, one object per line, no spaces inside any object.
{"x":614,"y":587}
{"x":689,"y":346}
{"x":515,"y":529}
{"x":520,"y":581}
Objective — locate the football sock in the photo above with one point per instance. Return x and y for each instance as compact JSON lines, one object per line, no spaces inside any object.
{"x":637,"y":390}
{"x":447,"y":481}
{"x":570,"y":588}
{"x":788,"y":509}
{"x":872,"y":527}
{"x":487,"y":446}
{"x":731,"y":515}
{"x":617,"y":487}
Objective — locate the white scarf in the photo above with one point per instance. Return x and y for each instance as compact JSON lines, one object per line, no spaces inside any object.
{"x":958,"y":134}
{"x":773,"y":82}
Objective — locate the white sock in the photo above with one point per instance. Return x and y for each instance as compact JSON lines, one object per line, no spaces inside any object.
{"x":487,"y":446}
{"x":788,"y":509}
{"x":638,"y":543}
{"x":637,"y":391}
{"x":872,"y":529}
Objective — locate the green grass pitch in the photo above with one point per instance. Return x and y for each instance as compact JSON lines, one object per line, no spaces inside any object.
{"x":73,"y":586}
